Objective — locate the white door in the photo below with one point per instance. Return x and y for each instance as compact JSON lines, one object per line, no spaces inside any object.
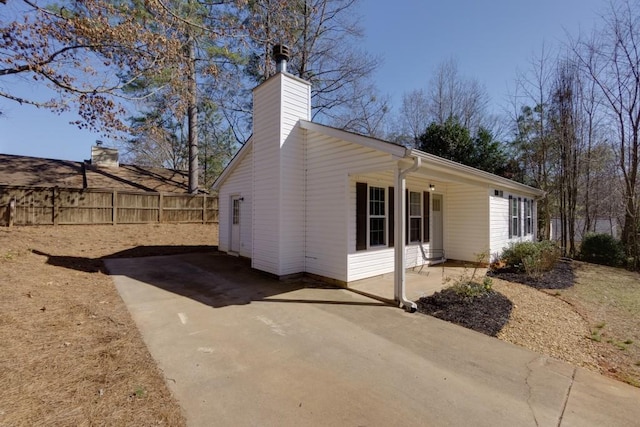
{"x":436,"y":224}
{"x":235,"y":224}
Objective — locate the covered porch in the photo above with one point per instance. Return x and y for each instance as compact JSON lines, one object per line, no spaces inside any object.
{"x":418,"y":283}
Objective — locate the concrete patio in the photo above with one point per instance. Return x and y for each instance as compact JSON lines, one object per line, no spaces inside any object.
{"x":418,"y":282}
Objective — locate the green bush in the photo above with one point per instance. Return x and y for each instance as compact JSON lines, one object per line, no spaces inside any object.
{"x":471,"y":289}
{"x":602,"y":249}
{"x":534,"y":258}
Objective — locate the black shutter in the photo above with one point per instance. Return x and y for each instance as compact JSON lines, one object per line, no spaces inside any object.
{"x":392,"y":217}
{"x":361,"y":216}
{"x":426,"y":198}
{"x":524,"y":217}
{"x":519,"y":216}
{"x":509,"y":217}
{"x":406,"y":217}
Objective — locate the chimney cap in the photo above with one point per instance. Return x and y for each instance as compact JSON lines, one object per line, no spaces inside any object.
{"x":281,"y":52}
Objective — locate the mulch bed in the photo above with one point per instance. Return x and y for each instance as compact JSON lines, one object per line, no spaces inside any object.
{"x":489,"y":313}
{"x":561,"y":277}
{"x":486,"y":313}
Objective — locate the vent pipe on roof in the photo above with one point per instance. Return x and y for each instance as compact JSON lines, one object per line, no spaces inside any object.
{"x":281,"y":55}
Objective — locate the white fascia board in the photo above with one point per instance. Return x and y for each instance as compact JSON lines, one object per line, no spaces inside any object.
{"x":449,"y":166}
{"x":366,"y":141}
{"x":242,"y":152}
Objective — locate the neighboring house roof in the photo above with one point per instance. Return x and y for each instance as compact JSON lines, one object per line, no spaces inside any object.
{"x":431,"y":161}
{"x":39,"y":172}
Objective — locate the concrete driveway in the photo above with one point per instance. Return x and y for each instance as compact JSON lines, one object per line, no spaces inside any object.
{"x":238,"y":348}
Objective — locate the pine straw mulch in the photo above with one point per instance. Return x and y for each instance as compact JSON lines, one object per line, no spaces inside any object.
{"x":557,"y":314}
{"x":70,"y":352}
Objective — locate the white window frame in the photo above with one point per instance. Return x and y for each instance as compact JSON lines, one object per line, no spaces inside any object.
{"x":514,"y":217}
{"x":384,"y":217}
{"x":528,"y":217}
{"x":412,"y":216}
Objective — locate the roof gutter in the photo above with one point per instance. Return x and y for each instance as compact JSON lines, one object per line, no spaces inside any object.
{"x":438,"y":163}
{"x":400,"y":224}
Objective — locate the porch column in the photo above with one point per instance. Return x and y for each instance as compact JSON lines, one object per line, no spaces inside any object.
{"x":399,"y":293}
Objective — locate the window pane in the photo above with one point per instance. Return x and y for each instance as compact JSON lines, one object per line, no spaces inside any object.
{"x":376,"y":231}
{"x":236,"y":212}
{"x":376,"y":201}
{"x":415,"y":205}
{"x":415,"y":229}
{"x":377,"y":220}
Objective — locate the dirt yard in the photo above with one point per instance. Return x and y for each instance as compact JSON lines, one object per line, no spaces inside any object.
{"x":71,"y":354}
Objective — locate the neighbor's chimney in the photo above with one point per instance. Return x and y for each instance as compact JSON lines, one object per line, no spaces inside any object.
{"x":281,"y":55}
{"x":103,"y":156}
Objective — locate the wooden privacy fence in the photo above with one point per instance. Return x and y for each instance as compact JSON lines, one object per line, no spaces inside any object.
{"x":66,"y":206}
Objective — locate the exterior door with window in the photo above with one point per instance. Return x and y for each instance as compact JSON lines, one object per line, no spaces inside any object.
{"x":235,"y":223}
{"x":437,"y":244}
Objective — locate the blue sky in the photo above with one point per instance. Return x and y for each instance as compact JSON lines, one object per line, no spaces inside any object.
{"x":490,"y":39}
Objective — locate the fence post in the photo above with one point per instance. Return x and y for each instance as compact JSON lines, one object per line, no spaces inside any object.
{"x":160,"y":205}
{"x":54,"y":205}
{"x":12,"y":212}
{"x":114,"y":207}
{"x":204,"y":208}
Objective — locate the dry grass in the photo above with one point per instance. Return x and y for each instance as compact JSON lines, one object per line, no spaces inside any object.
{"x":609,"y":300}
{"x":71,"y":354}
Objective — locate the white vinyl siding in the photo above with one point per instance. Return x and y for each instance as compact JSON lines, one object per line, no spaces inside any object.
{"x":501,"y":216}
{"x":238,"y":183}
{"x":466,"y":215}
{"x":266,"y":177}
{"x":278,"y":211}
{"x":295,"y":104}
{"x":499,"y":224}
{"x":330,"y":202}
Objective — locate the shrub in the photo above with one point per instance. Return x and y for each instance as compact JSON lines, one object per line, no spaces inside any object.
{"x":602,"y":249}
{"x":532,"y":257}
{"x":472,"y":289}
{"x":468,"y":285}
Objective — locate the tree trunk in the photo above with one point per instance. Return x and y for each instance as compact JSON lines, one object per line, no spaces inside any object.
{"x":192,"y":118}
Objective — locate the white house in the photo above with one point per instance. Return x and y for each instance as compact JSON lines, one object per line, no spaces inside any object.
{"x":301,"y":197}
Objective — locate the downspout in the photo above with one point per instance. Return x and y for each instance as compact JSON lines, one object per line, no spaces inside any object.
{"x":400,"y":225}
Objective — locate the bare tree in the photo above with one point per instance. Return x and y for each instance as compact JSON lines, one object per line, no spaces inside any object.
{"x":611,"y":56}
{"x":414,"y":115}
{"x":450,"y":95}
{"x":532,"y":142}
{"x":566,"y":121}
{"x":366,"y":113}
{"x":323,"y":36}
